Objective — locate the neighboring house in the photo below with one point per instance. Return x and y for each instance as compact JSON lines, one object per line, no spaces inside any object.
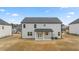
{"x":16,"y":28}
{"x":74,"y":27}
{"x":5,"y":29}
{"x":41,"y":28}
{"x":65,"y":28}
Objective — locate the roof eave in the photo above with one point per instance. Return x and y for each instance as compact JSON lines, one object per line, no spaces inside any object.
{"x":44,"y":22}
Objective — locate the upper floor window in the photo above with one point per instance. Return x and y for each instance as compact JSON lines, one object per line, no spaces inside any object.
{"x":44,"y":24}
{"x":2,"y":27}
{"x":24,"y":25}
{"x":34,"y":25}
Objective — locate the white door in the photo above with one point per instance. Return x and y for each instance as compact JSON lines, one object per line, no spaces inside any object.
{"x":40,"y":35}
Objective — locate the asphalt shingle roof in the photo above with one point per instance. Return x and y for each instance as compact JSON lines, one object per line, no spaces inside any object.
{"x":41,"y":20}
{"x":2,"y":22}
{"x":75,"y":22}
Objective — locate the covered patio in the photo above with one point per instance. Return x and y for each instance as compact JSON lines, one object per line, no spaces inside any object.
{"x":43,"y":34}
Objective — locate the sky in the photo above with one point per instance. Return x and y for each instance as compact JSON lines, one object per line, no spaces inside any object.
{"x":17,"y":14}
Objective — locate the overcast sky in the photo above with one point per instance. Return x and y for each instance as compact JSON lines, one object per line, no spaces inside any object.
{"x":16,"y":15}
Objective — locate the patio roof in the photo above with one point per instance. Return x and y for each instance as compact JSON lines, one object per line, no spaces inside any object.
{"x":43,"y":30}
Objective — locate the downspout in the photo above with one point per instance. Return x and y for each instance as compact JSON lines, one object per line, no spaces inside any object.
{"x":61,"y":31}
{"x":21,"y":30}
{"x":43,"y":35}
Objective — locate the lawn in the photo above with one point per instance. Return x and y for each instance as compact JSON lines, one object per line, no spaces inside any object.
{"x":15,"y":43}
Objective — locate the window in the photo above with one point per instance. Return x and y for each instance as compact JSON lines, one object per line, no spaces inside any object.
{"x":34,"y":25}
{"x":58,"y":33}
{"x":29,"y":33}
{"x":46,"y":33}
{"x":2,"y":27}
{"x":44,"y":24}
{"x":24,"y":25}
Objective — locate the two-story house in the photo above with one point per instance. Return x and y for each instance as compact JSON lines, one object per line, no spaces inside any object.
{"x":74,"y":27}
{"x":5,"y":29}
{"x":41,"y":28}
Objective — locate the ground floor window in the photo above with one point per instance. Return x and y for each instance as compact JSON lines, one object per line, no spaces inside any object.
{"x":46,"y":33}
{"x":58,"y":33}
{"x":29,"y":33}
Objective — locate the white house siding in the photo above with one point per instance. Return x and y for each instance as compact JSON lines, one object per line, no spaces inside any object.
{"x":74,"y":28}
{"x":7,"y":31}
{"x":30,"y":28}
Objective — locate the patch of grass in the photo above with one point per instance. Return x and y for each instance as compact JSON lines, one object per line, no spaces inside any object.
{"x":68,"y":43}
{"x":32,"y":46}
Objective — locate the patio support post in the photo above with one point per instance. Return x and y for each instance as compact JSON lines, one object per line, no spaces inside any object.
{"x":35,"y":36}
{"x":43,"y":35}
{"x":51,"y":34}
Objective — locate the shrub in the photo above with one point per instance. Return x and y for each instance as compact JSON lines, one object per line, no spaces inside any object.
{"x":52,"y":38}
{"x":56,"y":38}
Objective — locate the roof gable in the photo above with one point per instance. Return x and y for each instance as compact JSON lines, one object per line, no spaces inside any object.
{"x":41,"y":20}
{"x":75,"y":22}
{"x":2,"y":22}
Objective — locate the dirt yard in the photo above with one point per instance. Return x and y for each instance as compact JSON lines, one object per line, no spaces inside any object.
{"x":15,"y":43}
